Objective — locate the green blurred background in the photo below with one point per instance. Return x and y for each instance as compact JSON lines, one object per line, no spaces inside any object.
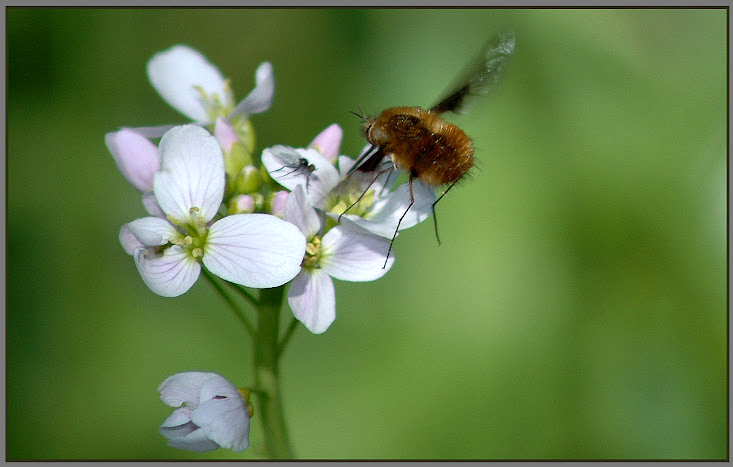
{"x":577,"y":305}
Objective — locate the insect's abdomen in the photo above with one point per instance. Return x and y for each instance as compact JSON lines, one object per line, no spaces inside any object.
{"x":423,"y":144}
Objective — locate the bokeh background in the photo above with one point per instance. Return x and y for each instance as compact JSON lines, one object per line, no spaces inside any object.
{"x":575,"y":309}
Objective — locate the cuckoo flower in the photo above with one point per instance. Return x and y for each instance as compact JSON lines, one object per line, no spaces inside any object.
{"x":374,"y":203}
{"x":187,"y":81}
{"x":211,"y":413}
{"x":291,"y":167}
{"x":346,"y":252}
{"x":254,"y":250}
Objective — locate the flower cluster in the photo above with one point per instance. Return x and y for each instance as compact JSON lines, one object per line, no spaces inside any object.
{"x":287,"y":215}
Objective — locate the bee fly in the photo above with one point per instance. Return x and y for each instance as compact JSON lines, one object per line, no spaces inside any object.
{"x":420,"y":142}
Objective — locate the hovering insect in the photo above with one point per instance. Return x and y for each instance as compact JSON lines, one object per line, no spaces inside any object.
{"x":420,"y":142}
{"x":292,"y":160}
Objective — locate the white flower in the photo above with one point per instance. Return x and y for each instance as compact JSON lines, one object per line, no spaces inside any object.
{"x":254,"y":250}
{"x":282,"y":163}
{"x":214,"y":414}
{"x":192,"y":85}
{"x":346,"y":252}
{"x":387,"y":205}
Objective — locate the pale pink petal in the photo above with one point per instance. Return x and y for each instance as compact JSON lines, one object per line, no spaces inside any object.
{"x":350,"y":253}
{"x":299,"y":213}
{"x":277,"y":204}
{"x":136,"y":157}
{"x":128,"y":240}
{"x":151,"y":205}
{"x":170,"y":274}
{"x":175,"y":73}
{"x":328,"y":142}
{"x":254,"y":250}
{"x":225,"y":134}
{"x":312,"y":298}
{"x":260,"y":98}
{"x":191,"y":173}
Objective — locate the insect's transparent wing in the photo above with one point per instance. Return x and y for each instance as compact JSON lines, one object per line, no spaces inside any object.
{"x":480,"y":75}
{"x":287,"y":155}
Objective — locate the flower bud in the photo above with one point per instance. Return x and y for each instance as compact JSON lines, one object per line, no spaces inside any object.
{"x":241,"y":204}
{"x":249,"y":180}
{"x":277,"y":203}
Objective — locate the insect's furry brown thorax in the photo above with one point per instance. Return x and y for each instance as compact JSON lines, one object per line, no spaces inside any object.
{"x":422,"y":143}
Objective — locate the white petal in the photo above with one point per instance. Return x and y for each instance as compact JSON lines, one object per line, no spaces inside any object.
{"x":260,"y":98}
{"x":298,"y":212}
{"x":182,"y":433}
{"x":185,"y":387}
{"x":312,"y":298}
{"x":223,"y":416}
{"x":254,"y":250}
{"x":175,"y":72}
{"x":189,"y":437}
{"x":191,"y":173}
{"x":384,"y":215}
{"x":350,"y":253}
{"x":152,"y":231}
{"x":128,"y":240}
{"x":178,"y":423}
{"x":282,"y":162}
{"x":151,"y":205}
{"x":170,"y":274}
{"x":136,"y":157}
{"x":345,"y":164}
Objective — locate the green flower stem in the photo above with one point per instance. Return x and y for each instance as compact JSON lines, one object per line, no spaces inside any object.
{"x":288,"y":334}
{"x":238,"y":312}
{"x":245,"y":293}
{"x":266,"y":374}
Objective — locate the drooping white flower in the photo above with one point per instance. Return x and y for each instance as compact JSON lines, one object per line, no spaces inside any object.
{"x":254,"y":250}
{"x":346,"y":252}
{"x":192,"y":85}
{"x":210,"y":413}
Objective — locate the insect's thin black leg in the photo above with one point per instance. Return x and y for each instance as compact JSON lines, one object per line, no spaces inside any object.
{"x":412,"y":201}
{"x":435,"y":218}
{"x":386,"y":182}
{"x":381,"y":172}
{"x":371,"y":151}
{"x":285,"y":175}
